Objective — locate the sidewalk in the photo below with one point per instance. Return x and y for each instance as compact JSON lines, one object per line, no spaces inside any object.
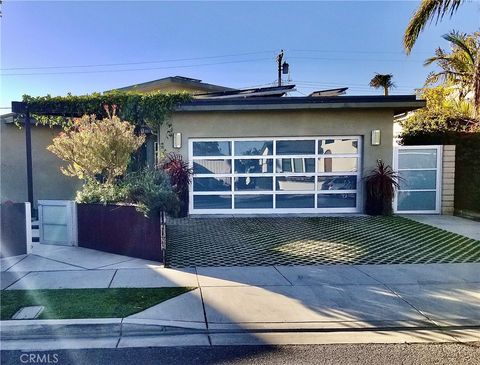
{"x":277,"y":304}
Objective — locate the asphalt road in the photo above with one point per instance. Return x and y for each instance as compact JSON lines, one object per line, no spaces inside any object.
{"x":371,"y":354}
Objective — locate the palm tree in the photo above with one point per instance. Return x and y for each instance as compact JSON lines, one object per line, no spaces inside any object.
{"x":457,"y":67}
{"x":426,"y":12}
{"x":378,"y":81}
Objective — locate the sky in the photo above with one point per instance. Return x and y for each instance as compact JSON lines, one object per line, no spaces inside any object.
{"x":87,"y":46}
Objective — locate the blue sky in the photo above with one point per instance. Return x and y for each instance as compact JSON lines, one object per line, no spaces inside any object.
{"x":327,"y":44}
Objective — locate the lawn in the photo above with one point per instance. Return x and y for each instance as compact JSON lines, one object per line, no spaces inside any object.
{"x":312,"y":241}
{"x":85,"y":303}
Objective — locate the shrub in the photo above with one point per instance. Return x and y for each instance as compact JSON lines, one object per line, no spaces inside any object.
{"x":96,"y":148}
{"x":180,"y":177}
{"x":151,"y":191}
{"x":94,"y":191}
{"x":381,"y":184}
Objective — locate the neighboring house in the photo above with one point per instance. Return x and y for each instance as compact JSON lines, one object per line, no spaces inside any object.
{"x":254,"y":150}
{"x":176,"y":83}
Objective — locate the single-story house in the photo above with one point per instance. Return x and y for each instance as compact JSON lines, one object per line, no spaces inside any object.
{"x":251,"y":151}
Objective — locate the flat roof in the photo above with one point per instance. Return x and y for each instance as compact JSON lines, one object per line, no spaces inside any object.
{"x":398,"y":103}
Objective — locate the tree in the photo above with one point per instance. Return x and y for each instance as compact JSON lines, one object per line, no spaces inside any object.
{"x":95,"y":148}
{"x":382,"y":81}
{"x":457,"y":67}
{"x":426,"y":12}
{"x":444,"y":112}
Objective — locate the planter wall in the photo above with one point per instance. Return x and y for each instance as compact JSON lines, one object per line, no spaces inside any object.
{"x":14,"y":223}
{"x":119,"y":229}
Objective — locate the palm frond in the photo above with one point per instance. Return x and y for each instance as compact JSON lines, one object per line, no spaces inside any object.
{"x":428,"y":10}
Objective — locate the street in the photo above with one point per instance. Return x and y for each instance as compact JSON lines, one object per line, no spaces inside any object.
{"x":372,"y":354}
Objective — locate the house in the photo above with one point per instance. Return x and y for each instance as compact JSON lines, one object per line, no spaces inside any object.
{"x":271,"y":154}
{"x":251,"y":150}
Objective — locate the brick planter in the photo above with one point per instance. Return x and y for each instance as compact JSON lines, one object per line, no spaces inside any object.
{"x":119,"y":229}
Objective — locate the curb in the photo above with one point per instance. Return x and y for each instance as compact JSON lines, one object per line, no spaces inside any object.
{"x":118,"y":327}
{"x":102,"y":327}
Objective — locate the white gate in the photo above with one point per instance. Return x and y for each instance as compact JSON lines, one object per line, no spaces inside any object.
{"x":420,"y":169}
{"x":57,"y":222}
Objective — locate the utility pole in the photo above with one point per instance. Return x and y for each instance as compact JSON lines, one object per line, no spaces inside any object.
{"x":279,"y":64}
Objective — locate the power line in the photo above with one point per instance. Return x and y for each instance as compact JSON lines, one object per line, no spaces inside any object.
{"x":134,"y":63}
{"x":132,"y":69}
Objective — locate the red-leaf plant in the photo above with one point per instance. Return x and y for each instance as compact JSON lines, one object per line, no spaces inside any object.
{"x":381,"y":185}
{"x":180,"y":177}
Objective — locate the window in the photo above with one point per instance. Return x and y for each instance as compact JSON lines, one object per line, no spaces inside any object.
{"x":315,"y":174}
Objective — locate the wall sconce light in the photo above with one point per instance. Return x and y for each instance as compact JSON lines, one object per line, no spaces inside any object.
{"x":376,"y":137}
{"x":177,"y":140}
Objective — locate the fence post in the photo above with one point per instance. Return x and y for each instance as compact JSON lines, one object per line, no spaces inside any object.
{"x":163,"y":235}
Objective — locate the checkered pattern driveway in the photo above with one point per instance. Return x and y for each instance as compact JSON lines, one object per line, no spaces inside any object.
{"x":312,"y":241}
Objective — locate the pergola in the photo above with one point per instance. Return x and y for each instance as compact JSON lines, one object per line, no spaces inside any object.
{"x":26,"y":110}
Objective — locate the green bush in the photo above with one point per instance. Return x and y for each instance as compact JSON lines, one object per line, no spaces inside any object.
{"x":149,"y":190}
{"x":94,"y":191}
{"x":467,"y":162}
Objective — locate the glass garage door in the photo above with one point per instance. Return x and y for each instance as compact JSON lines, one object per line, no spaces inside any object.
{"x":282,"y":175}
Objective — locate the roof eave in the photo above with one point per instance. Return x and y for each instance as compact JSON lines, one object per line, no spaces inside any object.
{"x":397,"y":107}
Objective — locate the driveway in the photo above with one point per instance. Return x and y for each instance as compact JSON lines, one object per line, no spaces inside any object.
{"x":352,"y":240}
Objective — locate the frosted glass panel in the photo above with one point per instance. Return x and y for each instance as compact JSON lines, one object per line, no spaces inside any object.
{"x":55,"y":214}
{"x":54,"y":233}
{"x":418,"y":179}
{"x":417,"y":159}
{"x":416,"y":200}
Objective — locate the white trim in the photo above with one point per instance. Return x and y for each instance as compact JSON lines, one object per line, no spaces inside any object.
{"x":438,"y":176}
{"x":231,"y":193}
{"x":70,"y":221}
{"x":28,"y":226}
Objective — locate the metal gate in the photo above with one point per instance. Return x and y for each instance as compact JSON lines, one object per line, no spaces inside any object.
{"x":57,"y":222}
{"x":420,"y":185}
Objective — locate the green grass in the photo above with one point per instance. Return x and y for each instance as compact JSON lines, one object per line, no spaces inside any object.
{"x":86,"y":303}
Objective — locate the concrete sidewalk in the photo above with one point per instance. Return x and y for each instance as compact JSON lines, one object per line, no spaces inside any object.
{"x":292,"y":297}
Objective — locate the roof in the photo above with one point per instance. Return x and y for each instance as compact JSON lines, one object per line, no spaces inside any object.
{"x":181,"y":81}
{"x":397,"y":103}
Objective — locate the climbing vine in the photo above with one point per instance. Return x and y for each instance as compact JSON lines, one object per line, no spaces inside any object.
{"x":152,"y":109}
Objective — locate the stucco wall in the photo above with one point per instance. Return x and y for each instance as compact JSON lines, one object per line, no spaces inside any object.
{"x":48,"y":181}
{"x":289,"y":123}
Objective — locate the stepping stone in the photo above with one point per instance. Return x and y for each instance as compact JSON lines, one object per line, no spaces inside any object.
{"x":31,"y":312}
